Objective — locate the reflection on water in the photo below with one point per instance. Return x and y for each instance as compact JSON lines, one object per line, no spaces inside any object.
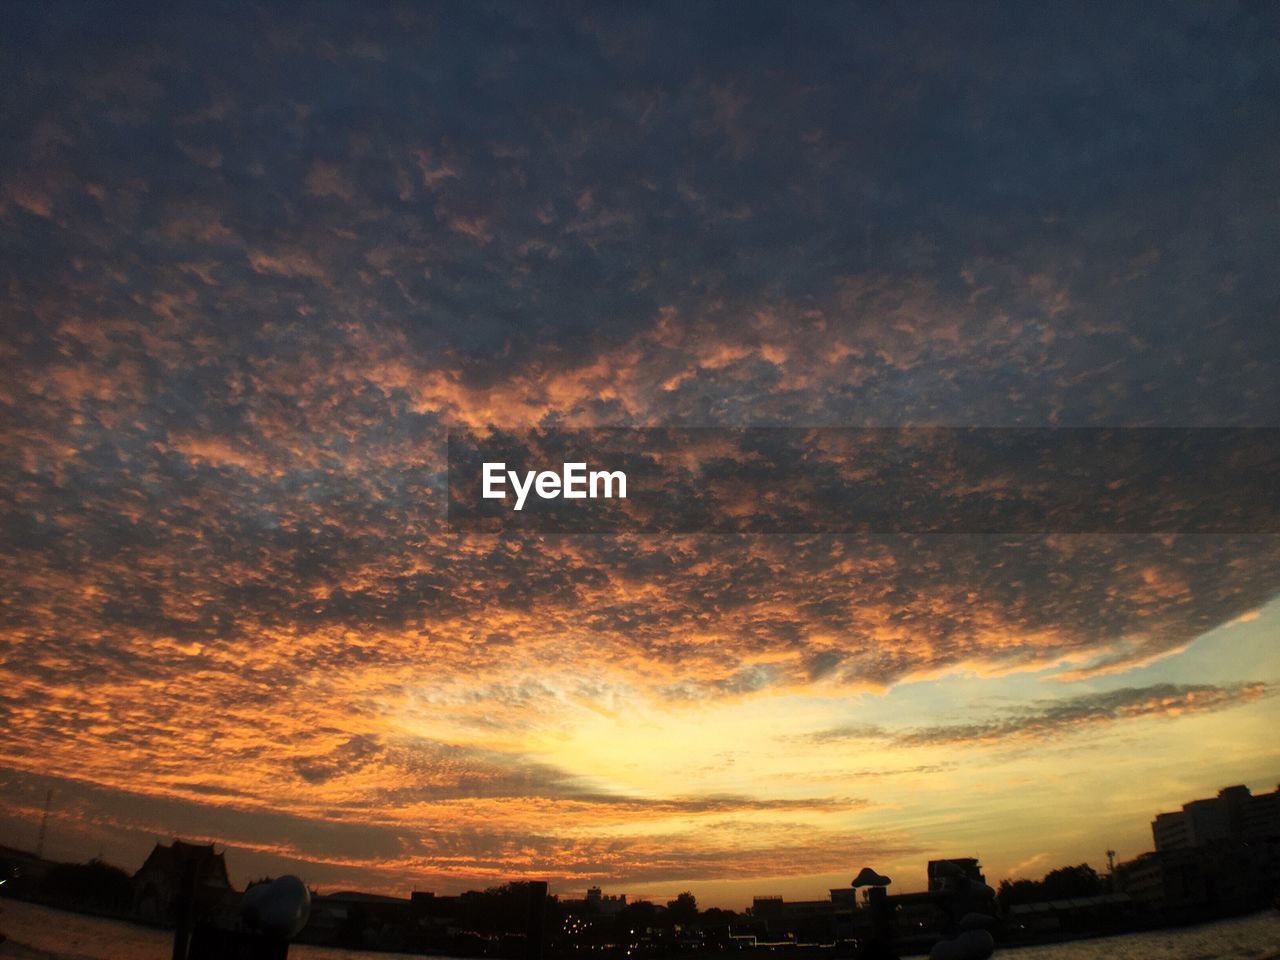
{"x":1247,"y":938}
{"x":88,"y":938}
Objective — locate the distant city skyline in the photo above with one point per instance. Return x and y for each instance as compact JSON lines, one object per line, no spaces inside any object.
{"x":1207,"y":819}
{"x":257,"y":264}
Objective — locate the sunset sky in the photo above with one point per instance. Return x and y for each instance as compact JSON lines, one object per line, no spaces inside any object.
{"x":254,"y":266}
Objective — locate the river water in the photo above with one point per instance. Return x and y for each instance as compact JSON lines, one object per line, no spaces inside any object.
{"x":76,"y":937}
{"x":73,"y":936}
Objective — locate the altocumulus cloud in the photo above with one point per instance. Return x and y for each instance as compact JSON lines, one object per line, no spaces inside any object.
{"x":244,"y":302}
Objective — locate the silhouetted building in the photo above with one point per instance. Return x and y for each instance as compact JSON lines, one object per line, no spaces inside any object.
{"x":806,"y":921}
{"x":1217,"y":855}
{"x":355,"y":919}
{"x":1222,"y":877}
{"x":1079,"y":915}
{"x":844,"y":903}
{"x":606,"y":905}
{"x":766,"y":907}
{"x":158,"y":883}
{"x":1234,"y":815}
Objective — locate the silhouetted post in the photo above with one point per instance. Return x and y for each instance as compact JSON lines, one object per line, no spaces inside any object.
{"x":537,"y":905}
{"x":878,"y":944}
{"x":882,"y":932}
{"x":184,"y":909}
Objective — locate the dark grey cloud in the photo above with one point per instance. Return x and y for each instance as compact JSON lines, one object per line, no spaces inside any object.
{"x":488,"y":181}
{"x":1045,"y":719}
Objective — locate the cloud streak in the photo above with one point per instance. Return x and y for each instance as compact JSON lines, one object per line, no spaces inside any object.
{"x":1051,"y":719}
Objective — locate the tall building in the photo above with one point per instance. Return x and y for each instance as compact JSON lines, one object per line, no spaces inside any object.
{"x":1234,"y":814}
{"x":605,"y":904}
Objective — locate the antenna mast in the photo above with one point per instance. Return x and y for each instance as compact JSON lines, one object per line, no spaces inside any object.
{"x":44,"y":824}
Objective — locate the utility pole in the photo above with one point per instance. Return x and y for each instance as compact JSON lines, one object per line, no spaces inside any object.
{"x":44,"y":824}
{"x":1111,"y":870}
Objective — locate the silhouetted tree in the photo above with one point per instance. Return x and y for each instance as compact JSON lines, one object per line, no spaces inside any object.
{"x":683,"y":909}
{"x":1060,"y":884}
{"x":1077,"y":881}
{"x":1019,"y":891}
{"x":637,"y":916}
{"x":500,"y":909}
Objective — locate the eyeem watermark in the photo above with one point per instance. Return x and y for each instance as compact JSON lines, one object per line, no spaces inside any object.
{"x":873,"y":480}
{"x":573,"y":482}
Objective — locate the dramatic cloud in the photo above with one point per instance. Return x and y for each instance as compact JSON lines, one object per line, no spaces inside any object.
{"x":253,"y":269}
